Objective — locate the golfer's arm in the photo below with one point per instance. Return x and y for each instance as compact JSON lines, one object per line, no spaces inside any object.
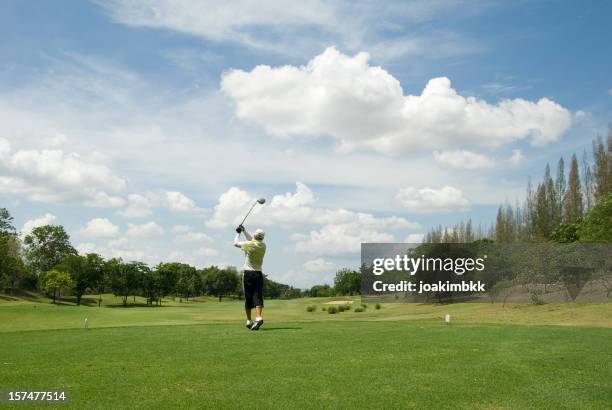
{"x":237,"y":241}
{"x":247,"y":235}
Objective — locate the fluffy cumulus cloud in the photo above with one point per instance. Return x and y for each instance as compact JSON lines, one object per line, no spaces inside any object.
{"x":184,"y":234}
{"x":337,"y":231}
{"x":141,"y":206}
{"x":318,"y":265}
{"x":429,"y":200}
{"x":144,"y":230}
{"x":138,"y":206}
{"x":363,"y":105}
{"x":292,"y":209}
{"x":100,"y":228}
{"x":43,"y":220}
{"x":333,"y":239}
{"x":51,"y":175}
{"x":113,"y":250}
{"x":462,"y":159}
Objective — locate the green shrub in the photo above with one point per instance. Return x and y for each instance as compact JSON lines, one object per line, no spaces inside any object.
{"x":377,"y":307}
{"x":359,"y":310}
{"x":312,"y":308}
{"x":332,"y":310}
{"x":323,"y":308}
{"x":342,"y":308}
{"x":363,"y":305}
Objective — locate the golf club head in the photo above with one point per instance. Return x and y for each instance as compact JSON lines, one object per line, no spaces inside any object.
{"x":261,"y":201}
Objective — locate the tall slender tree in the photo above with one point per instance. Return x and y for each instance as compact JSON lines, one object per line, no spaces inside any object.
{"x":560,"y":187}
{"x":572,"y":202}
{"x":602,"y":168}
{"x":588,"y":183}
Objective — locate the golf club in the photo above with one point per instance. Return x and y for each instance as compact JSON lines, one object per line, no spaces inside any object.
{"x":260,"y":201}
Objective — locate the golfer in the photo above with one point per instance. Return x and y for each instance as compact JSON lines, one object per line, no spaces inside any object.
{"x":252,"y":277}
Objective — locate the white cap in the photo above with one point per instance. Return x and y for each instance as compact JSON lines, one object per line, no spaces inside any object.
{"x":259,"y":234}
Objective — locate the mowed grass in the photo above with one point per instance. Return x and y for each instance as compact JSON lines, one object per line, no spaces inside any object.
{"x":199,"y":354}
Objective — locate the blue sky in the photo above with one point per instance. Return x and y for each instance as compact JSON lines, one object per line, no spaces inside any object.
{"x":146,"y":128}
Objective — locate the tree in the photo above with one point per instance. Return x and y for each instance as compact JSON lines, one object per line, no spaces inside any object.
{"x":321,"y":291}
{"x":572,"y":203}
{"x":168,"y":277}
{"x":597,"y":224}
{"x":602,"y":168}
{"x":47,"y":246}
{"x":225,"y":282}
{"x":565,"y":233}
{"x":54,"y":281}
{"x":347,"y":282}
{"x":12,"y":269}
{"x":124,"y":279}
{"x":6,"y":221}
{"x":560,"y":188}
{"x":541,"y":221}
{"x":86,"y":273}
{"x":185,"y":285}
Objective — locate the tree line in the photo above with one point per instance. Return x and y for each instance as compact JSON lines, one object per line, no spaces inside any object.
{"x":46,"y":261}
{"x":558,"y":209}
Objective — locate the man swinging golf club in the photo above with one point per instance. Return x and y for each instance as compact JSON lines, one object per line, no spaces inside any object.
{"x":252,"y":277}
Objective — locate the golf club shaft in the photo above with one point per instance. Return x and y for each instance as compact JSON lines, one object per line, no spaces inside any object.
{"x":248,"y":213}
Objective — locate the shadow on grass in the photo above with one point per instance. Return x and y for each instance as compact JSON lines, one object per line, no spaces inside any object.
{"x":7,"y":297}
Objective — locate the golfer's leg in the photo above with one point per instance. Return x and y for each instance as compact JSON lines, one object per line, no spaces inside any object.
{"x":248,"y":313}
{"x":258,"y":310}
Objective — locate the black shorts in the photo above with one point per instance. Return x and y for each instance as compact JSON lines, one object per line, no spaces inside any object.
{"x":252,"y":283}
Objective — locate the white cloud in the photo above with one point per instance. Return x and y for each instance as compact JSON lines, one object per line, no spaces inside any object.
{"x":104,"y":200}
{"x":234,"y":21}
{"x":292,"y":209}
{"x":414,"y":238}
{"x":428,"y":200}
{"x":138,"y":206}
{"x":364,"y":106}
{"x":100,"y":228}
{"x":463,"y":159}
{"x":341,"y":230}
{"x":318,"y":265}
{"x":118,"y":243}
{"x":178,"y":202}
{"x":306,"y":25}
{"x":199,"y":257}
{"x":144,"y":230}
{"x":180,"y":229}
{"x":334,"y":239}
{"x":141,"y":206}
{"x":86,"y":247}
{"x":516,"y":157}
{"x":189,"y":237}
{"x":50,"y":175}
{"x":46,"y":219}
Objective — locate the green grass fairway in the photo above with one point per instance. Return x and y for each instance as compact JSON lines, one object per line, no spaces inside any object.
{"x":403,"y":356}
